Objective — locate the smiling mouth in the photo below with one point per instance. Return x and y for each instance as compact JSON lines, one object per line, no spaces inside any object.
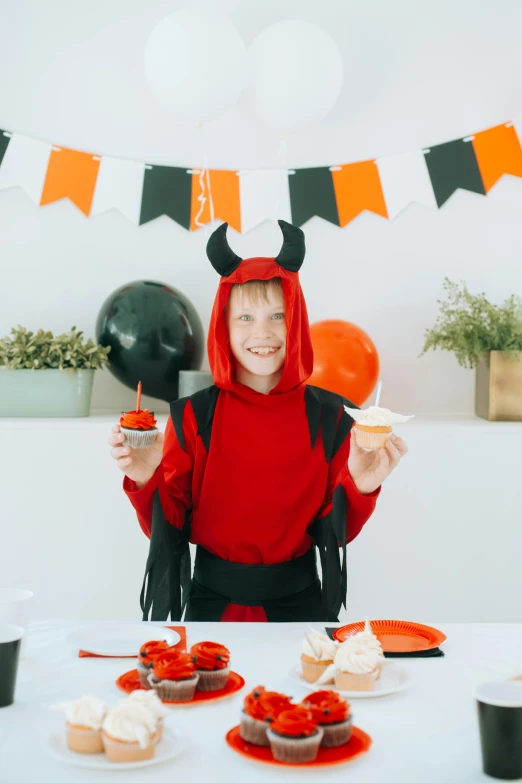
{"x":263,"y":351}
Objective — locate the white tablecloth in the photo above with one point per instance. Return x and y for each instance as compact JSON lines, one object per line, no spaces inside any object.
{"x":426,"y":733}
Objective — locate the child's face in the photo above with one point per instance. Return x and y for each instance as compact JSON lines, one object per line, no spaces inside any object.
{"x":257,"y":331}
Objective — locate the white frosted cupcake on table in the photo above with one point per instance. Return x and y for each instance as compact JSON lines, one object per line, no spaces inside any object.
{"x":151,"y":701}
{"x":374,"y":425}
{"x":356,"y":667}
{"x":367,"y":638}
{"x":84,"y":719}
{"x":129,"y":732}
{"x":317,"y":655}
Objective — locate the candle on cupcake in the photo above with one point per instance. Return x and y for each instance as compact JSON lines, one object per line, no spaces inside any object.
{"x":138,"y":426}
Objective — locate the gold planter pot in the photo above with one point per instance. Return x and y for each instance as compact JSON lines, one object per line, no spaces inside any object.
{"x":498,"y":387}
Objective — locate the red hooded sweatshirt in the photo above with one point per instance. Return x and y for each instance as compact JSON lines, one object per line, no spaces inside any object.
{"x":261,"y":484}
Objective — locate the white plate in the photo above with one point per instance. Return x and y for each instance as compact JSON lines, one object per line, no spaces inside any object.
{"x":172,"y":744}
{"x":119,"y":639}
{"x":393,"y":678}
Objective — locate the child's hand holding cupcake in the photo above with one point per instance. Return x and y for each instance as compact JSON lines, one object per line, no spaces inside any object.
{"x":374,"y":450}
{"x":137,"y":445}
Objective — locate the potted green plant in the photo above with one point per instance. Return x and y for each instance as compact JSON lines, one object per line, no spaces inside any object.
{"x":487,"y":337}
{"x":44,"y":375}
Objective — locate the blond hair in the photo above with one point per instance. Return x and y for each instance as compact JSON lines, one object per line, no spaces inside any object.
{"x":258,"y":290}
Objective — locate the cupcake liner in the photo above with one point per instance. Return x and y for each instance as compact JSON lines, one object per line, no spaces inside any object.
{"x":253,"y":730}
{"x":212,"y":680}
{"x":336,"y":734}
{"x":295,"y":750}
{"x":143,"y":672}
{"x":82,"y":739}
{"x":174,"y":690}
{"x":371,"y":440}
{"x":312,"y":671}
{"x":139,"y":439}
{"x":123,"y":752}
{"x":356,"y":682}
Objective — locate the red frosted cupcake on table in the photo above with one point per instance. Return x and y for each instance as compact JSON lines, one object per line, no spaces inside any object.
{"x":260,"y":708}
{"x":138,"y":426}
{"x":174,"y":676}
{"x":295,"y":736}
{"x":212,"y":664}
{"x":146,"y":655}
{"x":332,"y":714}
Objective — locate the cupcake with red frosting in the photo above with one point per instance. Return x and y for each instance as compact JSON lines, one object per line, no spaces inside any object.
{"x":295,"y":736}
{"x":332,"y":714}
{"x":260,"y":708}
{"x":212,"y":664}
{"x":146,"y":655}
{"x":139,"y":428}
{"x":173,"y":676}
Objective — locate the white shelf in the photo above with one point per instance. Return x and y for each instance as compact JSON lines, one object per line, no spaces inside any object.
{"x":107,"y":418}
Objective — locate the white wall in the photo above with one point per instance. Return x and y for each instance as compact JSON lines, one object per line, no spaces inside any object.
{"x":416,"y":74}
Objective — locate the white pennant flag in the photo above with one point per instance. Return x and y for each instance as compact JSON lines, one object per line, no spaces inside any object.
{"x":264,"y":195}
{"x":119,"y":186}
{"x":25,"y":165}
{"x":405,"y":178}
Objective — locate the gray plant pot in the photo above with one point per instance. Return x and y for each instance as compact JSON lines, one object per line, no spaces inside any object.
{"x":45,"y":393}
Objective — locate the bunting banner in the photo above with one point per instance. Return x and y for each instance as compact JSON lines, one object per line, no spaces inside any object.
{"x":194,"y":197}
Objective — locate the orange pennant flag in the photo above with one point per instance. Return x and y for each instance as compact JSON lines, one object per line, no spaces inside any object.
{"x":358,"y":187}
{"x":498,"y":152}
{"x":70,"y":174}
{"x":221,"y":191}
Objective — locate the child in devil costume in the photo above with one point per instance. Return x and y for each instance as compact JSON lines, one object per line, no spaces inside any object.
{"x":258,"y":470}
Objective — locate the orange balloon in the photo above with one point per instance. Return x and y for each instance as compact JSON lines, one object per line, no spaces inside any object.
{"x":345,"y":360}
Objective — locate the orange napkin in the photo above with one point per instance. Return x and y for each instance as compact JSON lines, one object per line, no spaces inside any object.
{"x":181,"y":645}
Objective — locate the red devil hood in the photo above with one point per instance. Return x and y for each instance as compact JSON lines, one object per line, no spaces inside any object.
{"x":299,"y":355}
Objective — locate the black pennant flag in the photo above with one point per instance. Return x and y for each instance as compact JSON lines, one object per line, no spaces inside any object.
{"x":451,"y":166}
{"x":312,"y":193}
{"x":4,"y":143}
{"x":167,"y":190}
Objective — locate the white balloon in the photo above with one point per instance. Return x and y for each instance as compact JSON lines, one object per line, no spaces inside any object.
{"x":295,"y":75}
{"x":195,"y":64}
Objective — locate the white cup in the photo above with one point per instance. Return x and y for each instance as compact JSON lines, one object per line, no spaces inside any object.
{"x":15,"y":607}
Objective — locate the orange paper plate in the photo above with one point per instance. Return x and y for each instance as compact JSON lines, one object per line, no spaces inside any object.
{"x":130,"y":681}
{"x":358,"y":744}
{"x":396,"y":635}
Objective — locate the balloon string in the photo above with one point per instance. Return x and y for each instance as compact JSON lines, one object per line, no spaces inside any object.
{"x":205,"y":188}
{"x":284,"y":165}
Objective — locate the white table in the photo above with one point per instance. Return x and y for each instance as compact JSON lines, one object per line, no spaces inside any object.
{"x":426,"y":733}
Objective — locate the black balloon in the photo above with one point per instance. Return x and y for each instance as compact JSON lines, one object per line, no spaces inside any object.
{"x":154,"y":332}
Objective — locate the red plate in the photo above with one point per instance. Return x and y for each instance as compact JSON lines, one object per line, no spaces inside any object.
{"x":396,"y":635}
{"x":130,"y":681}
{"x":358,"y":744}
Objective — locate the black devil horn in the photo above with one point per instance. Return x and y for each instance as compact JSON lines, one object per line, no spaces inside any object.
{"x":222,"y":258}
{"x":292,"y":254}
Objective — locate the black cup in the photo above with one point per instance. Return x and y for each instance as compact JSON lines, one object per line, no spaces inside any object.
{"x":10,"y":643}
{"x":500,"y":722}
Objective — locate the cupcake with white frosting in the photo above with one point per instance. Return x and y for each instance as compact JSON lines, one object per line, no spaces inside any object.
{"x":151,"y":701}
{"x":355,"y":667}
{"x":317,"y":655}
{"x":367,"y":638}
{"x":373,"y":426}
{"x":129,"y":732}
{"x":84,"y":719}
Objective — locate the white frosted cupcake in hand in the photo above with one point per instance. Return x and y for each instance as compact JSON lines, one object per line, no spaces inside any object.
{"x":84,"y":718}
{"x":129,"y":732}
{"x":317,"y":655}
{"x":373,"y":426}
{"x":356,"y":667}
